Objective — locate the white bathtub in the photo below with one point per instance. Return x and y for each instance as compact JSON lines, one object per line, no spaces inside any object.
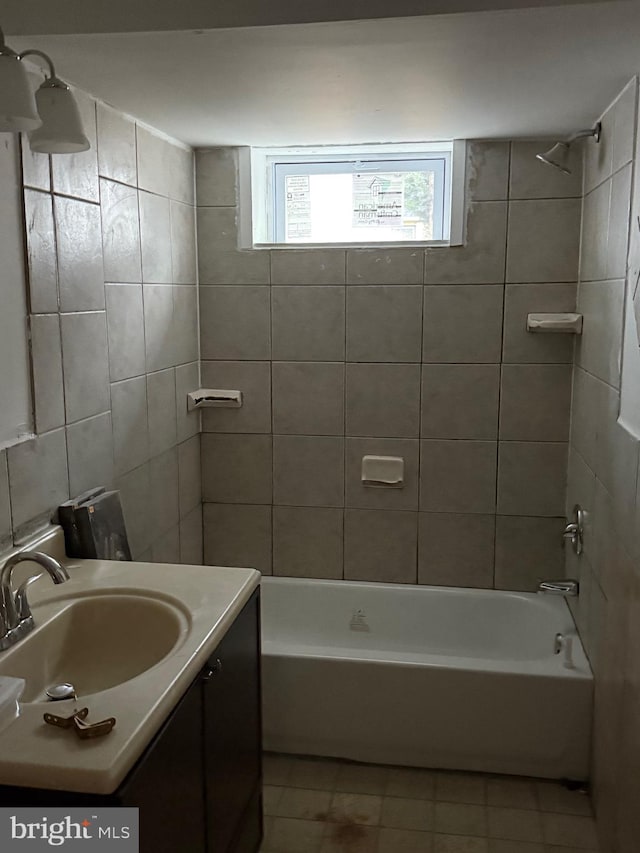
{"x":424,"y":676}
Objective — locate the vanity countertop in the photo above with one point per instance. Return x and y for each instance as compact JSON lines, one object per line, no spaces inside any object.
{"x":209,"y":598}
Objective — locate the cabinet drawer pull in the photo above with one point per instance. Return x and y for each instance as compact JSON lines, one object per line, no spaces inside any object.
{"x":212,"y":669}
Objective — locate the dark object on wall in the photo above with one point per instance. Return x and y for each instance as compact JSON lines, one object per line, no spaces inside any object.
{"x":94,"y":526}
{"x":67,"y":518}
{"x":103,"y":535}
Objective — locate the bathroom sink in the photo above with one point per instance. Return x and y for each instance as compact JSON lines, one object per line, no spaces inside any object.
{"x":95,"y":643}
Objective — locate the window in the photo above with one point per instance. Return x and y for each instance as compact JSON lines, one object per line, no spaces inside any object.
{"x":355,"y":195}
{"x":365,"y":200}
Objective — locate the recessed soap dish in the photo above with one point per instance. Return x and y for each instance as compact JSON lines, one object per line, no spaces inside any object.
{"x":205,"y":398}
{"x":383,"y":471}
{"x":567,"y":324}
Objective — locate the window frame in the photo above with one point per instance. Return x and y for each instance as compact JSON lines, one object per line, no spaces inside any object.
{"x":439,"y":164}
{"x":259,"y":226}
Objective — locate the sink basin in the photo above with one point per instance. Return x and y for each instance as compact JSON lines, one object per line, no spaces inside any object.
{"x":95,"y":643}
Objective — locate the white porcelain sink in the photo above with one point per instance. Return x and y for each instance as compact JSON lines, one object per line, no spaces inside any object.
{"x":95,"y":642}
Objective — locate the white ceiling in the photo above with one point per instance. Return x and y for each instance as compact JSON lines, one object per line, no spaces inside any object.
{"x":515,"y":73}
{"x":36,"y":17}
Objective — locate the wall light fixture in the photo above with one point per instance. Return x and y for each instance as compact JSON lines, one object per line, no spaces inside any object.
{"x":52,"y":118}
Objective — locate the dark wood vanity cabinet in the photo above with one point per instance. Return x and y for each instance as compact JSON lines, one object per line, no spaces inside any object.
{"x":167,"y":784}
{"x":233,"y":738}
{"x":198,"y":784}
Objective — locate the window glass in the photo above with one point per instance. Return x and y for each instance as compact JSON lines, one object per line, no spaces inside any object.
{"x":358,"y":202}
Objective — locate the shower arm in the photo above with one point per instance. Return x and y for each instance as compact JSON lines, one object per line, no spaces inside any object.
{"x":582,"y":134}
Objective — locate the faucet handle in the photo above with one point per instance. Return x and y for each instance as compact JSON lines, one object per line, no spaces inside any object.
{"x":574,"y":530}
{"x":22,"y":605}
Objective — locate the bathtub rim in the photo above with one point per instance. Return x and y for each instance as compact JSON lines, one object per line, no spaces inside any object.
{"x":547,"y":667}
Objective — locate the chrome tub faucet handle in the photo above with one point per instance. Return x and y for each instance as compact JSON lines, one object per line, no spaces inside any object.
{"x":574,"y":530}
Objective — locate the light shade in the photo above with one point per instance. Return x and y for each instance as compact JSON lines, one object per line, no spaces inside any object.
{"x":558,"y":157}
{"x":61,"y":131}
{"x":17,"y":105}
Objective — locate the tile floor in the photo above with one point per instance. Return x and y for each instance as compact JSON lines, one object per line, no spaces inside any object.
{"x":323,"y":806}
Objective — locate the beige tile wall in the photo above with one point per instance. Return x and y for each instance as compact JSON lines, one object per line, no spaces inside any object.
{"x":422,"y":354}
{"x":114,"y":325}
{"x":603,"y":478}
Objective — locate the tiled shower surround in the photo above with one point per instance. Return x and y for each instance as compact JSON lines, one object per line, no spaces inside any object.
{"x":603,"y":477}
{"x":113,"y":316}
{"x":400,"y":352}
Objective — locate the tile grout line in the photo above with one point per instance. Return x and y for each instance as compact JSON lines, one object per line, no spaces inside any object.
{"x":273,"y":466}
{"x":499,"y":411}
{"x":344,"y":420}
{"x":420,"y":417}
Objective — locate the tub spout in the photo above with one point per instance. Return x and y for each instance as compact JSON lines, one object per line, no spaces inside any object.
{"x":568,"y":587}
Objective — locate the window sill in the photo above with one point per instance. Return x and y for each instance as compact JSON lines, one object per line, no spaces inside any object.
{"x":373,"y":246}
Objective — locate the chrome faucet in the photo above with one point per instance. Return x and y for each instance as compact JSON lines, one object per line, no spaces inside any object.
{"x":16,"y":620}
{"x":568,"y":587}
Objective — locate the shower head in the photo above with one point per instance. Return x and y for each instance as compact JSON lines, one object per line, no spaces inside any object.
{"x":558,"y":155}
